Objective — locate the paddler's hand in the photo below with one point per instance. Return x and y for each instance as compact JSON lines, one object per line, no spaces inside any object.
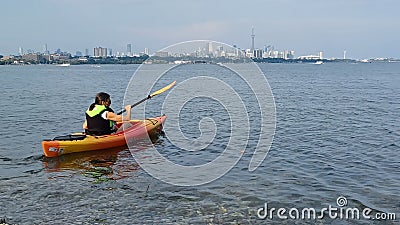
{"x":128,"y":113}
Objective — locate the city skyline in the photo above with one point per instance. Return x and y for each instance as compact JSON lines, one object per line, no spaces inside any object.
{"x":207,"y":51}
{"x":362,"y":28}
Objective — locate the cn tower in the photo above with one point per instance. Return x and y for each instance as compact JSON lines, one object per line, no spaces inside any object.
{"x":252,"y":38}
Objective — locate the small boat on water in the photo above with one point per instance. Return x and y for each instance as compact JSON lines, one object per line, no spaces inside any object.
{"x":64,"y":65}
{"x":318,"y":63}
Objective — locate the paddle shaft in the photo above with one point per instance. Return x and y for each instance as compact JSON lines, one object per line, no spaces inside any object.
{"x":151,"y":95}
{"x":137,"y":103}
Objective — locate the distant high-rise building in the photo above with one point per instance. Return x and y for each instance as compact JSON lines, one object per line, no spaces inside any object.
{"x":344,"y":54}
{"x":285,"y":54}
{"x":209,"y":48}
{"x":275,"y":54}
{"x":236,"y":50}
{"x":78,"y":53}
{"x":100,"y":52}
{"x":86,"y":52}
{"x":146,"y":51}
{"x":129,"y":49}
{"x":290,"y":55}
{"x":20,"y":51}
{"x":110,"y":52}
{"x":258,"y":53}
{"x":249,"y":53}
{"x":45,"y":51}
{"x":320,"y":55}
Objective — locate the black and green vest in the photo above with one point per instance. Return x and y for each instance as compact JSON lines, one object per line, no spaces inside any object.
{"x":96,"y":124}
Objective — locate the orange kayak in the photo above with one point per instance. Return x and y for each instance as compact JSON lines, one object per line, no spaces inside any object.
{"x":79,"y":142}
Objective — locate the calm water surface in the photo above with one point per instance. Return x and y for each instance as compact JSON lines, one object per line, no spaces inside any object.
{"x":337,"y":135}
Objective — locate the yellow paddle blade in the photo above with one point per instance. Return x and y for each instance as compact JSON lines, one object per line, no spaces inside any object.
{"x":162,"y":89}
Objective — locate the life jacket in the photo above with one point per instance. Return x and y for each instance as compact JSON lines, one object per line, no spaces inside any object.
{"x":96,"y":124}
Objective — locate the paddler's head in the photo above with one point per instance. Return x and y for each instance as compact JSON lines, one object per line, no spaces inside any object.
{"x":102,"y":99}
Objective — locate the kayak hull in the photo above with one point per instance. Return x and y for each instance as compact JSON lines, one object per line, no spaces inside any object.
{"x":137,"y":129}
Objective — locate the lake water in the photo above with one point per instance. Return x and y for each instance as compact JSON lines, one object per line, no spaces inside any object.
{"x":337,"y":134}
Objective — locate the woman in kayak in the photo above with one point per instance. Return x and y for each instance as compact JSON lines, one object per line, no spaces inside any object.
{"x":100,"y":118}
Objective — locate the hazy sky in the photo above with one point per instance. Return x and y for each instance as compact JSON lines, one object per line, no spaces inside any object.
{"x":365,"y":28}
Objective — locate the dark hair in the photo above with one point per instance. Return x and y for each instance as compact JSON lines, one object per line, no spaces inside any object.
{"x":100,"y":97}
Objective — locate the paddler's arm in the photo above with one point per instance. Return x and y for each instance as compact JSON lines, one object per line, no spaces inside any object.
{"x":119,"y":118}
{"x":84,"y":126}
